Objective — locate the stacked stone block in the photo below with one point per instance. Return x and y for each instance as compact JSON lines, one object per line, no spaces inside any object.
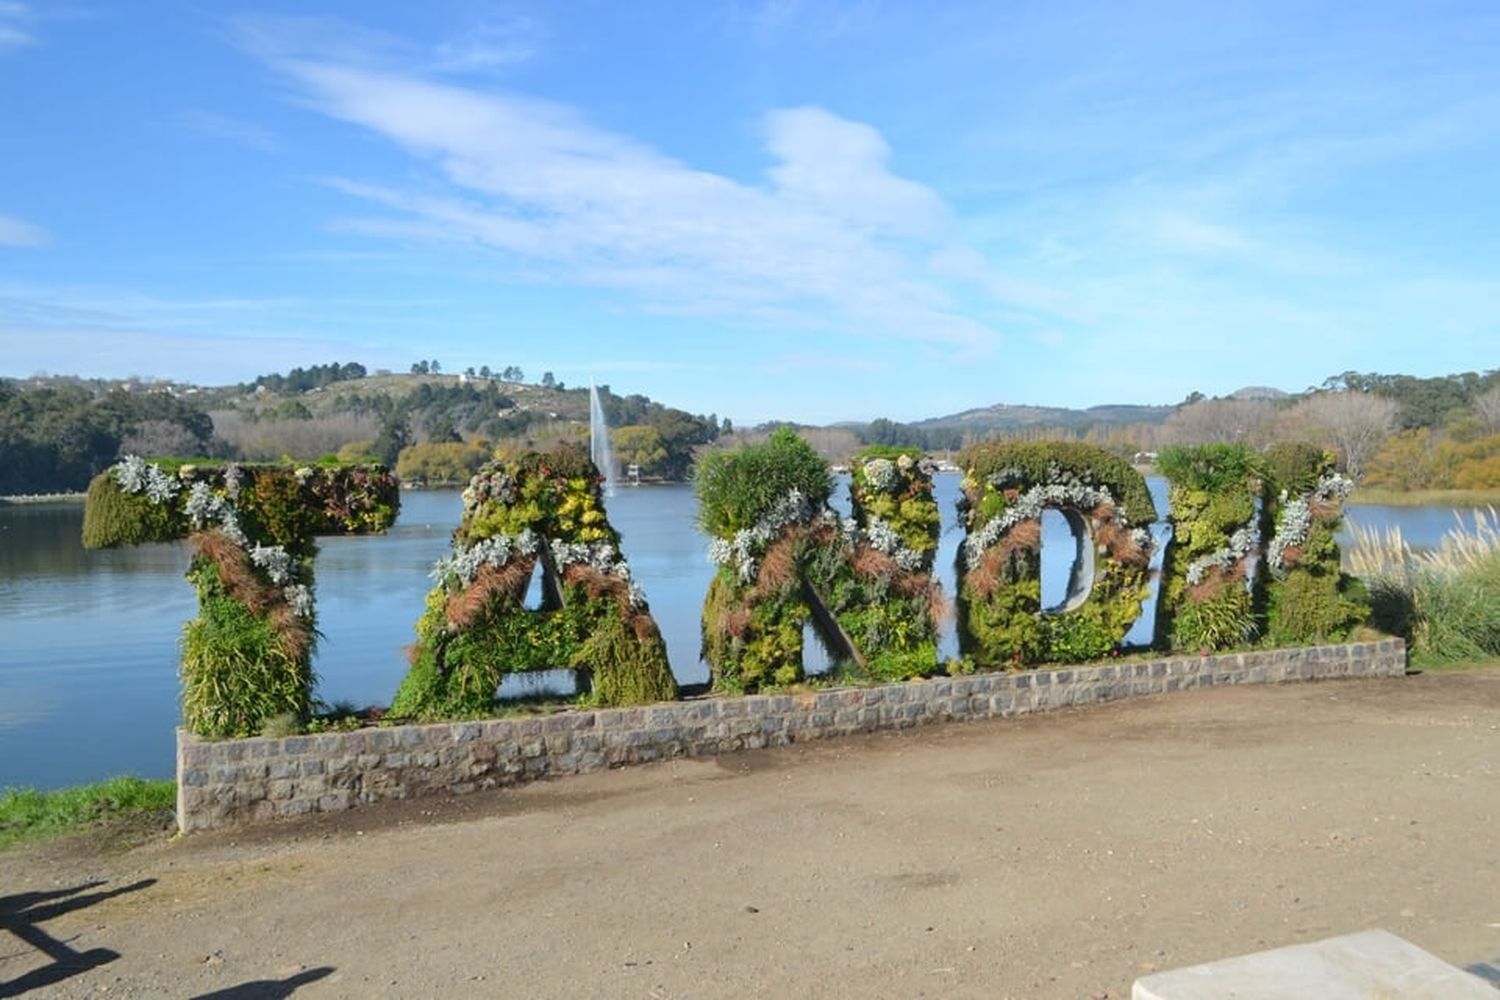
{"x":222,"y":784}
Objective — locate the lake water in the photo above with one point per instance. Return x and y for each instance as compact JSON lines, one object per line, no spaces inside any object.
{"x":88,"y":640}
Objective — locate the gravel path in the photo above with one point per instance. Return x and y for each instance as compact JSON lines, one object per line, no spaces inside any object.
{"x":1060,"y":855}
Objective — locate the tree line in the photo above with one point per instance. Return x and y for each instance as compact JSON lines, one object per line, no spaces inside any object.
{"x":1393,"y":431}
{"x":55,"y":439}
{"x":306,"y":379}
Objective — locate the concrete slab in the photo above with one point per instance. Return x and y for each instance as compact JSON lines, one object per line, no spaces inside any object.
{"x":1372,"y":965}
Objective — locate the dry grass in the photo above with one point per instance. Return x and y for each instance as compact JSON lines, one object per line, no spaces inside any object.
{"x":1386,"y":554}
{"x":778,"y":567}
{"x":1446,"y":601}
{"x":873,"y":564}
{"x":1116,"y":538}
{"x":237,"y":575}
{"x":736,"y":621}
{"x":597,"y":585}
{"x":491,"y":584}
{"x":938,"y":604}
{"x":990,"y":573}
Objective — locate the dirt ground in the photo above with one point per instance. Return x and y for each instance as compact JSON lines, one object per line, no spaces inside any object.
{"x":1060,"y":855}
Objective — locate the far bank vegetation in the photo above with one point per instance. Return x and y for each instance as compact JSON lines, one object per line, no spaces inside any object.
{"x":1397,"y":436}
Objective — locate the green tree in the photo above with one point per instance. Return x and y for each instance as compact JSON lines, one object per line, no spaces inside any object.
{"x":442,"y":462}
{"x":441,"y":430}
{"x":640,"y":445}
{"x":395,"y":434}
{"x":1407,"y":461}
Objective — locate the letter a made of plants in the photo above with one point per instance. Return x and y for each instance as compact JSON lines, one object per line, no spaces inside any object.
{"x":537,"y":510}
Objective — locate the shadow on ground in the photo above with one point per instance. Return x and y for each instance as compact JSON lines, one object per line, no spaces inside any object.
{"x":268,"y":989}
{"x":1488,"y":971}
{"x":21,"y":913}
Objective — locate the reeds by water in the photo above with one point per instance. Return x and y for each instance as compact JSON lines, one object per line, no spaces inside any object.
{"x":1444,"y":601}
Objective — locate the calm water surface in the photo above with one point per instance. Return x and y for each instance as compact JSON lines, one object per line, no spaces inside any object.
{"x":88,"y":640}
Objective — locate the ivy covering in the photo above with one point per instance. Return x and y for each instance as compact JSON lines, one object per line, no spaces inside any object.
{"x":536,"y":509}
{"x":1206,"y":596}
{"x":1006,"y":487}
{"x":248,"y":654}
{"x":1309,"y":598}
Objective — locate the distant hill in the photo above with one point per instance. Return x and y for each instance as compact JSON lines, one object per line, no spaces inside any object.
{"x":56,"y":432}
{"x":1260,"y":392}
{"x":1004,"y":416}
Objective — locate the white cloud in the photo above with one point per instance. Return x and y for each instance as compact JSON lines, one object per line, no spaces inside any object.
{"x":17,"y":233}
{"x":490,"y":47}
{"x":830,"y":236}
{"x":203,"y":338}
{"x":1176,"y":230}
{"x":15,"y":26}
{"x":243,"y":133}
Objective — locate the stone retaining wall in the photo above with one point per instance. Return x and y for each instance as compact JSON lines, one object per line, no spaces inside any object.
{"x":228,"y":783}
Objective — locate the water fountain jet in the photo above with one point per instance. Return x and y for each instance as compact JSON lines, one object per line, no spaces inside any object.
{"x":599,"y":449}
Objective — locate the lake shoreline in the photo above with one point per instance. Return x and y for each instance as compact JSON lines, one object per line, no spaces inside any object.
{"x":1375,"y":497}
{"x":31,"y":498}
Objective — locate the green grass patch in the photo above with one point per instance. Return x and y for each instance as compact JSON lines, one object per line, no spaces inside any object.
{"x":1425,"y":498}
{"x":27,"y":814}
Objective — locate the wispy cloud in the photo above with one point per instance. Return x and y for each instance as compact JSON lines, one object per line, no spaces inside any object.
{"x":831,"y":234}
{"x":45,"y":307}
{"x":211,"y":339}
{"x":17,"y":233}
{"x":823,"y":363}
{"x":491,"y":47}
{"x":16,"y":21}
{"x":216,"y":126}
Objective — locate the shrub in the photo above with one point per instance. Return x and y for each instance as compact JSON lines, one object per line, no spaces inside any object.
{"x":737,"y":488}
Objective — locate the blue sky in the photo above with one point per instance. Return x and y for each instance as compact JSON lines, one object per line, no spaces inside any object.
{"x":764,"y":210}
